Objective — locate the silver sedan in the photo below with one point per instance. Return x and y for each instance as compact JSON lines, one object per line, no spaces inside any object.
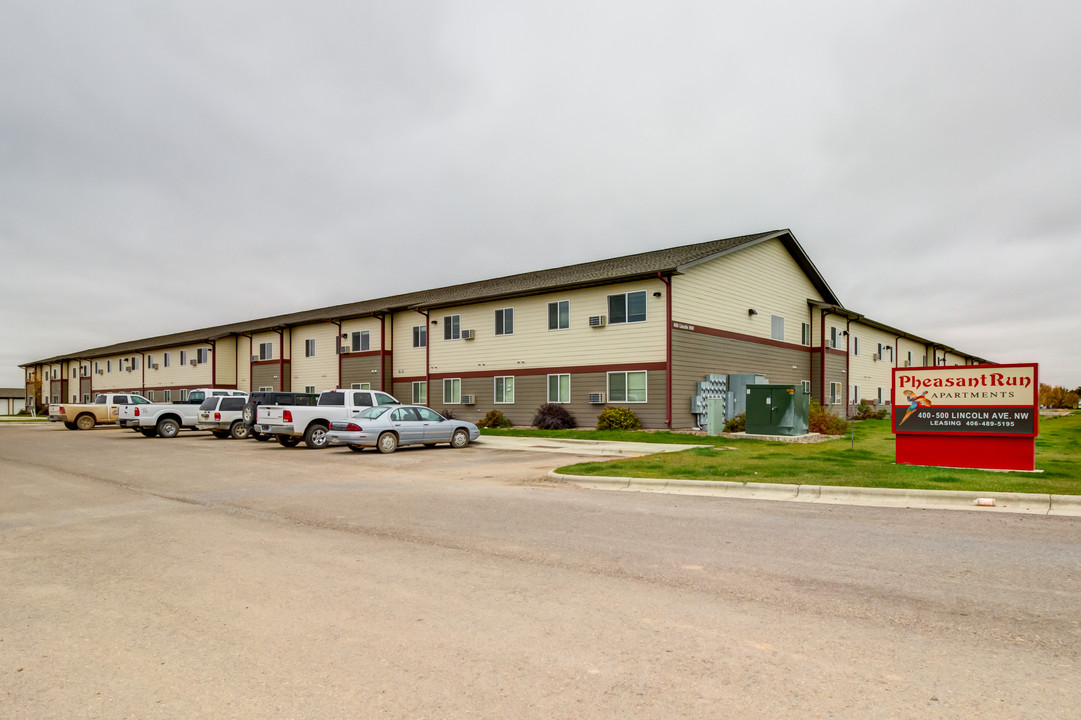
{"x":388,"y":426}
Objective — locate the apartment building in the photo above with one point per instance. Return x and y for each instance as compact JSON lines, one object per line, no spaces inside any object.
{"x":639,"y":331}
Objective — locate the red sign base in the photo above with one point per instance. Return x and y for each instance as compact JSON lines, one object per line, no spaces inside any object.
{"x":967,"y":451}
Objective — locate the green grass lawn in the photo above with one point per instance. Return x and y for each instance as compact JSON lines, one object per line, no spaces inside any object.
{"x":866,"y":460}
{"x":22,"y":419}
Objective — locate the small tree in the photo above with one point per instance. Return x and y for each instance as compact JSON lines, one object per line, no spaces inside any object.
{"x":551,"y":416}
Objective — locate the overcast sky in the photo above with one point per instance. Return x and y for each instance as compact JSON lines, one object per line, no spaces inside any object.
{"x":927,"y":155}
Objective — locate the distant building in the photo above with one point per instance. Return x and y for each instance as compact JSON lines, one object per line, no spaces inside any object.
{"x":639,"y":331}
{"x":12,"y":401}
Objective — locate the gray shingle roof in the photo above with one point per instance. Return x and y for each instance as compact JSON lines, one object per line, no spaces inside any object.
{"x":598,"y":272}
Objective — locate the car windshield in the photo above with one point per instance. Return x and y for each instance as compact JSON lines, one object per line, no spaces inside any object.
{"x":371,"y":413}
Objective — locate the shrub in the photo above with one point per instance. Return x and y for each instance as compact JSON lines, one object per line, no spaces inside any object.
{"x":826,"y":422}
{"x":617,"y":418}
{"x":494,"y":419}
{"x":737,"y":423}
{"x":551,"y":416}
{"x":864,"y":411}
{"x":447,"y":413}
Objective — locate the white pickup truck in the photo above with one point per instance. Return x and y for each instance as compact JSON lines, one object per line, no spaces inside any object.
{"x":166,"y":419}
{"x":290,"y":424}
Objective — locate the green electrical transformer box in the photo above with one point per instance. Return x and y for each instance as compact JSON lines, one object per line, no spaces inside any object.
{"x":777,"y":410}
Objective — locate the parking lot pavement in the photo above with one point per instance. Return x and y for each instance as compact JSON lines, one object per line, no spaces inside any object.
{"x":578,"y":447}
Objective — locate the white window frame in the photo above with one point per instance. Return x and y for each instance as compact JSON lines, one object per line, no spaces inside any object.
{"x":835,"y":337}
{"x":806,"y":386}
{"x":183,"y":358}
{"x":360,"y":341}
{"x":420,"y":392}
{"x":627,"y":307}
{"x":855,"y":345}
{"x":879,"y":402}
{"x":265,"y":388}
{"x":452,"y":327}
{"x":855,"y":399}
{"x":360,"y":386}
{"x":168,"y":396}
{"x":776,"y":327}
{"x":165,"y":360}
{"x":503,"y":387}
{"x":559,"y":319}
{"x":559,"y":390}
{"x":108,"y":368}
{"x":266,"y":351}
{"x":97,"y":364}
{"x":805,"y":334}
{"x":309,"y":348}
{"x":626,"y":386}
{"x":202,"y":355}
{"x":455,"y":387}
{"x":420,"y":336}
{"x":310,"y":389}
{"x":502,"y":315}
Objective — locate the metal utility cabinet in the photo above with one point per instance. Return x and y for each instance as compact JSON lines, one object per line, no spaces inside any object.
{"x":777,"y":410}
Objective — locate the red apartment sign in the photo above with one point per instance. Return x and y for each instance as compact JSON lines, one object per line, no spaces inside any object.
{"x":981,"y":416}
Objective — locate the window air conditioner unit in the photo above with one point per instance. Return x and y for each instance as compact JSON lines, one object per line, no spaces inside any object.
{"x":255,"y":358}
{"x":467,"y":399}
{"x":345,"y":349}
{"x":155,"y":366}
{"x":101,"y":372}
{"x":597,"y":320}
{"x":906,"y":363}
{"x":193,"y":363}
{"x":876,"y":357}
{"x":596,"y":398}
{"x":467,"y":334}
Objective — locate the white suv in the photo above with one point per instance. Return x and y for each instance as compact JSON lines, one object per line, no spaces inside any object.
{"x":223,"y":416}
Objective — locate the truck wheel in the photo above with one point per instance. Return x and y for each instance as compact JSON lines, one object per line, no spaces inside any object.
{"x":147,"y":432}
{"x":168,"y":428}
{"x":355,"y":448}
{"x":459,"y":439}
{"x":261,"y":437}
{"x":388,"y":442}
{"x":85,"y":422}
{"x":315,"y":437}
{"x":220,"y":434}
{"x":239,"y":431}
{"x":70,"y":425}
{"x":288,"y":441}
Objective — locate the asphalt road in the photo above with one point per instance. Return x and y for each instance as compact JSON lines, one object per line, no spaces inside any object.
{"x":204,"y":578}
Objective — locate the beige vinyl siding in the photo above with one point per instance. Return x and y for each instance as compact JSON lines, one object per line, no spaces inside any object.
{"x":224,"y":358}
{"x":763,"y":277}
{"x":243,"y":364}
{"x":918,"y":350}
{"x":954,"y":358}
{"x":532,"y":345}
{"x":177,"y":375}
{"x":371,"y":325}
{"x":408,"y":360}
{"x":322,"y":369}
{"x":863,"y":370}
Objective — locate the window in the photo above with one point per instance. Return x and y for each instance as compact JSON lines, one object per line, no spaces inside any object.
{"x":452,"y":390}
{"x":165,"y":360}
{"x":910,"y":357}
{"x":183,"y":357}
{"x":150,"y":361}
{"x":97,"y":365}
{"x":805,"y":334}
{"x":629,"y":387}
{"x":420,"y":392}
{"x":559,"y":388}
{"x":855,"y":399}
{"x":879,"y":396}
{"x":776,"y":327}
{"x":266,"y":351}
{"x":835,"y":337}
{"x":807,"y":386}
{"x":309,"y":348}
{"x":310,"y":389}
{"x":627,"y":307}
{"x":202,"y":355}
{"x":504,"y":321}
{"x":360,"y":341}
{"x":452,"y":327}
{"x":73,"y":375}
{"x":134,"y":362}
{"x":504,"y":389}
{"x":168,"y":396}
{"x":86,"y":397}
{"x":835,"y":393}
{"x":855,"y":345}
{"x":559,"y":315}
{"x":420,"y":335}
{"x":266,"y":388}
{"x":360,"y":386}
{"x":108,"y":368}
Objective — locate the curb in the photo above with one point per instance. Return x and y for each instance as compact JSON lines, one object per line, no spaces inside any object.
{"x":1029,"y":503}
